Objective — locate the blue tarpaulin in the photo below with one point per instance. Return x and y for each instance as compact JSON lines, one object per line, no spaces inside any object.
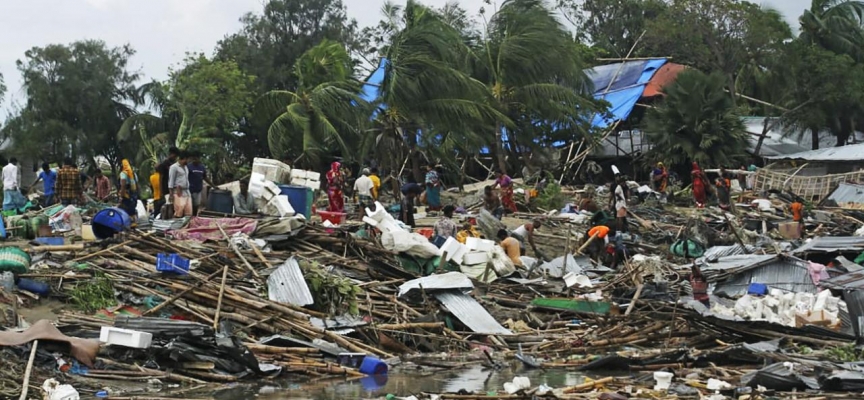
{"x":625,"y":91}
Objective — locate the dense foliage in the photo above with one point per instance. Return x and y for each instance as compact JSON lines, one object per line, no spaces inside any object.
{"x":510,"y":80}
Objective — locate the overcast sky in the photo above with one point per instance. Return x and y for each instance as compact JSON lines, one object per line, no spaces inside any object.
{"x":162,"y":31}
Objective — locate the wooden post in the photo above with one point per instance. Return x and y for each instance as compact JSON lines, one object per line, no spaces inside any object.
{"x":221,"y":294}
{"x":26,"y":384}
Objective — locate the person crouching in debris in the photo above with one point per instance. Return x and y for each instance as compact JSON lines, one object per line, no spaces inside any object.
{"x":615,"y":249}
{"x":511,"y":246}
{"x":620,"y":196}
{"x":525,"y":233}
{"x":699,"y":285}
{"x":445,"y":227}
{"x":467,"y":231}
{"x":598,"y":236}
{"x":492,"y":203}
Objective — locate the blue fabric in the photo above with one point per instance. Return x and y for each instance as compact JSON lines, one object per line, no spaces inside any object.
{"x":13,"y":200}
{"x":196,"y":177}
{"x":433,"y":196}
{"x":372,"y":88}
{"x":625,"y":92}
{"x":49,"y":179}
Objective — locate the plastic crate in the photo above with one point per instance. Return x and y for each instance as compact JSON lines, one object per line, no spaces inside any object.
{"x":172,"y":264}
{"x":335,"y":218}
{"x":50,"y":241}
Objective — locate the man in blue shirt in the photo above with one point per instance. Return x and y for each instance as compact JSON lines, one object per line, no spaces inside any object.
{"x":49,"y":179}
{"x":197,"y":177}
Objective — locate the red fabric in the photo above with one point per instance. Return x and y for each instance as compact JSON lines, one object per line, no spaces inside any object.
{"x":698,"y":185}
{"x":203,"y":229}
{"x":700,"y":288}
{"x":335,"y":180}
{"x":507,"y":198}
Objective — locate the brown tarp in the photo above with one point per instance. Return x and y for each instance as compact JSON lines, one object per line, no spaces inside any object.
{"x":664,"y":76}
{"x":84,"y":350}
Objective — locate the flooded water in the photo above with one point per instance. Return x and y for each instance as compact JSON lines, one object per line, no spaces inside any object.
{"x":474,"y":379}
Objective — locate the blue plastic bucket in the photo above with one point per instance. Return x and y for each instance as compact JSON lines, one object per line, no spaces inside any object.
{"x":40,"y":288}
{"x":373,"y":366}
{"x":300,"y":198}
{"x":109,"y":222}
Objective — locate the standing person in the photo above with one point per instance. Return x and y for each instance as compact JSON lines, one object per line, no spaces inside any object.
{"x":621,"y":204}
{"x":525,"y":233}
{"x":12,"y":197}
{"x":103,"y":186}
{"x":178,"y":186}
{"x":445,"y":227}
{"x":244,"y":204}
{"x":433,"y":188}
{"x":797,"y":209}
{"x":128,"y":190}
{"x":742,"y":178}
{"x":69,"y":185}
{"x":163,"y":169}
{"x":335,"y":181}
{"x":511,"y":247}
{"x":724,"y":196}
{"x":700,"y":182}
{"x":406,"y":210}
{"x":492,"y":203}
{"x":699,"y":285}
{"x":376,"y":183}
{"x":506,"y":184}
{"x":660,"y":178}
{"x":197,"y":177}
{"x":363,"y":188}
{"x":49,"y":179}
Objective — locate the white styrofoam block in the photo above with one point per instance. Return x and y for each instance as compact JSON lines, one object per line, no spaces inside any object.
{"x":280,"y":206}
{"x":256,"y":184}
{"x":475,"y":258}
{"x":125,"y":337}
{"x":455,"y":250}
{"x":297,"y":174}
{"x":313,"y":176}
{"x":370,"y":221}
{"x":479,"y":244}
{"x":270,"y":191}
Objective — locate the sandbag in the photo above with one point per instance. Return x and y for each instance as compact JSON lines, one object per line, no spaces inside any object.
{"x":14,"y":260}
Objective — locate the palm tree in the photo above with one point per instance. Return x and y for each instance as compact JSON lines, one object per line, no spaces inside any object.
{"x":426,"y":97}
{"x":835,"y":25}
{"x":697,"y":122}
{"x":533,"y":72}
{"x":324,"y":112}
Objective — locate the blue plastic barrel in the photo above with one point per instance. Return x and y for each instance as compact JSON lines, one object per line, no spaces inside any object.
{"x":373,"y":366}
{"x":300,"y":198}
{"x":220,"y":201}
{"x":40,"y":288}
{"x":109,"y":222}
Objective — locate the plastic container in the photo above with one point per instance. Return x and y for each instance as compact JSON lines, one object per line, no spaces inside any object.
{"x":87,"y":233}
{"x":7,"y":281}
{"x":50,"y":241}
{"x":172,"y":264}
{"x":663,"y":380}
{"x":220,"y":201}
{"x":125,"y":337}
{"x":40,"y":288}
{"x":373,"y":366}
{"x":334,"y":217}
{"x":109,"y":222}
{"x":758,"y":289}
{"x":300,"y":197}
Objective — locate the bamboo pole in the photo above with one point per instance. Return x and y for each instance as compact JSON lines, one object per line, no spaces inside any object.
{"x":237,"y":251}
{"x":26,"y":384}
{"x":221,"y":294}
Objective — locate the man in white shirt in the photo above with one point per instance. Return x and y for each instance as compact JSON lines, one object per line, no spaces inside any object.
{"x":12,"y":198}
{"x":363,"y":190}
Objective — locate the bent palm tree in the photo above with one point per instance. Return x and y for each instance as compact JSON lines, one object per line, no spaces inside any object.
{"x":835,"y":25}
{"x":533,"y":71}
{"x":325,"y":110}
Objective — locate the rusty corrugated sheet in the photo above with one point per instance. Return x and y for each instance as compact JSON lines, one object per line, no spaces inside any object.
{"x":664,"y":76}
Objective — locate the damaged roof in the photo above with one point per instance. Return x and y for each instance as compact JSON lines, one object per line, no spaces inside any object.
{"x":853,"y":152}
{"x":450,"y":280}
{"x":831,"y":244}
{"x":287,"y":285}
{"x":471,"y":313}
{"x":848,"y":195}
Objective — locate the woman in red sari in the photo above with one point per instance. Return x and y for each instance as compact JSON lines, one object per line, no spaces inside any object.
{"x":335,"y":181}
{"x":506,"y":184}
{"x":699,"y":183}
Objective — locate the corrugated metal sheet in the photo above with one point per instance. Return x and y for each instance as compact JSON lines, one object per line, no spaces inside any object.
{"x":450,"y":280}
{"x":853,"y":152}
{"x":848,"y":195}
{"x":855,"y":303}
{"x":471,"y":313}
{"x":850,"y":281}
{"x":786,"y":275}
{"x":733,"y":264}
{"x":717,"y":252}
{"x":287,"y":285}
{"x":556,"y":268}
{"x":831,"y":244}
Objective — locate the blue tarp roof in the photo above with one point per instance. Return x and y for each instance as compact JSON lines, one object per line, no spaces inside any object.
{"x":627,"y":88}
{"x":372,"y":88}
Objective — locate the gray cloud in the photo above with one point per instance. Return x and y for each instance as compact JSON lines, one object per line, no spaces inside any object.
{"x":162,"y":31}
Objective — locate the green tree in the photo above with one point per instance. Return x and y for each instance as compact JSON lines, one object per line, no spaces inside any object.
{"x":77,"y":97}
{"x":835,"y":25}
{"x":323,"y":114}
{"x":612,"y":25}
{"x":534,"y":74}
{"x":697,"y":121}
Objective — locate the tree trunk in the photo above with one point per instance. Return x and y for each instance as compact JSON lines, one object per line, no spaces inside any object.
{"x":845,"y":132}
{"x":762,"y":137}
{"x":499,"y":149}
{"x":814,"y":136}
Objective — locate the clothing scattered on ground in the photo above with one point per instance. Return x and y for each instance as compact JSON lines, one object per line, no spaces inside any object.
{"x":463,"y":235}
{"x":244,"y":204}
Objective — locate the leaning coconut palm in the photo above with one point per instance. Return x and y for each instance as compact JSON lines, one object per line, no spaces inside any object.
{"x":324,"y":112}
{"x":696,"y":122}
{"x":425,"y":93}
{"x":530,"y":63}
{"x":835,"y":25}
